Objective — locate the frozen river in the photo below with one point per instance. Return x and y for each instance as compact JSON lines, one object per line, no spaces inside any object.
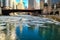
{"x":28,"y":27}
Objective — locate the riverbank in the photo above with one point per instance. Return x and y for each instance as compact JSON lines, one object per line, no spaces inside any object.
{"x":54,"y":17}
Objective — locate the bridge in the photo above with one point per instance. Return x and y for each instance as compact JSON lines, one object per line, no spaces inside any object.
{"x":34,"y":12}
{"x":7,"y":11}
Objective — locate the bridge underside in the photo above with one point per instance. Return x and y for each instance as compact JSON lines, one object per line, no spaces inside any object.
{"x":6,"y":12}
{"x":34,"y":12}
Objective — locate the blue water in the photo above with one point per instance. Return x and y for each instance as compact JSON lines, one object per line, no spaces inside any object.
{"x":38,"y":33}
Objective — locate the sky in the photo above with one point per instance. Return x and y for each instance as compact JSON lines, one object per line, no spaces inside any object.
{"x":38,"y":1}
{"x":25,"y":1}
{"x":17,"y":1}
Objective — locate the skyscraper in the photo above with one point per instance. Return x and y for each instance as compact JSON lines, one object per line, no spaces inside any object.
{"x":5,"y":3}
{"x":42,"y":0}
{"x":14,"y":4}
{"x":41,"y":4}
{"x":46,"y":1}
{"x":49,"y":2}
{"x":20,"y":5}
{"x":31,"y":3}
{"x":11,"y":3}
{"x":55,"y":1}
{"x":1,"y":3}
{"x":36,"y":5}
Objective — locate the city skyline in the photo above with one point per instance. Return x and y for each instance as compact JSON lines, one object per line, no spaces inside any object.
{"x":26,"y":2}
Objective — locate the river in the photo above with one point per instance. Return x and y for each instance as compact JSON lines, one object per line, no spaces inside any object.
{"x":36,"y":28}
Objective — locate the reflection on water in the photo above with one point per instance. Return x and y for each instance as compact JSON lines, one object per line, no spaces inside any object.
{"x":2,"y":34}
{"x":32,"y":29}
{"x":52,"y":32}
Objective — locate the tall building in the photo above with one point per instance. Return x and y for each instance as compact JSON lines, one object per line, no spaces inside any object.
{"x":36,"y":5}
{"x":11,"y":4}
{"x":5,"y":3}
{"x":31,"y":3}
{"x":14,"y":4}
{"x":42,"y":0}
{"x":41,"y":4}
{"x":20,"y":5}
{"x":1,"y":3}
{"x":55,"y":1}
{"x":49,"y":2}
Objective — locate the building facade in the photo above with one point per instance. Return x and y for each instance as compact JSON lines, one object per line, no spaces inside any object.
{"x":36,"y":5}
{"x":7,"y":3}
{"x":20,"y":5}
{"x":31,"y":3}
{"x":1,"y":3}
{"x":41,"y":4}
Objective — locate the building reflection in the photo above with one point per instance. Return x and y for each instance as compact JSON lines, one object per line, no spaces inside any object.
{"x":49,"y":33}
{"x":31,"y":28}
{"x":2,"y":35}
{"x":23,"y":32}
